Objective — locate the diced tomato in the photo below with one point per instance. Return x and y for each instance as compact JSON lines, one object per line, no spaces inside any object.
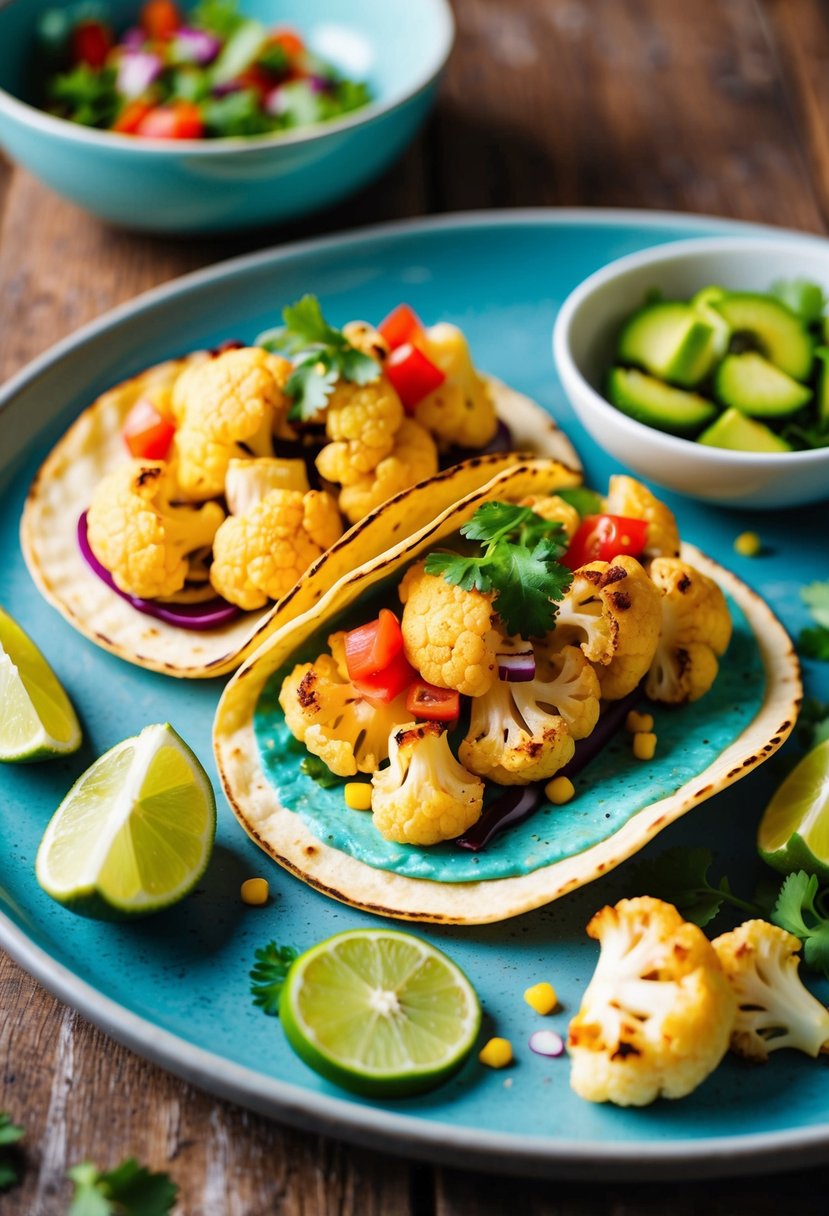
{"x":146,"y":433}
{"x":424,"y":700}
{"x":91,"y":43}
{"x":160,"y":18}
{"x":289,"y":40}
{"x":603,"y":537}
{"x":387,"y":684}
{"x":371,"y":647}
{"x":131,"y":117}
{"x":413,"y":375}
{"x":402,"y":325}
{"x":181,"y":120}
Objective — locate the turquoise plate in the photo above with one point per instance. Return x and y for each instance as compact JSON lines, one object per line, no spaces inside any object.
{"x":175,"y":987}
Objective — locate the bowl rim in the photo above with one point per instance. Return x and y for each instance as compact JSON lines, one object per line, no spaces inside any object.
{"x":50,"y":124}
{"x":569,"y":370}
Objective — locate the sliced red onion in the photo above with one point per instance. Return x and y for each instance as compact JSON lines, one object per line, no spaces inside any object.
{"x":320,"y":84}
{"x":514,"y":806}
{"x":197,"y":46}
{"x":137,"y":70}
{"x":610,"y":721}
{"x":517,"y":668}
{"x":210,"y":614}
{"x":226,"y":88}
{"x":133,"y":39}
{"x":547,"y":1043}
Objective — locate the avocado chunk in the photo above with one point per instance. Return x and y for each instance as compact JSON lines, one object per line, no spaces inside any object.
{"x":741,"y":434}
{"x":772,"y":327}
{"x":756,"y":387}
{"x":669,"y":339}
{"x":702,"y":303}
{"x":658,"y":405}
{"x":822,"y":354}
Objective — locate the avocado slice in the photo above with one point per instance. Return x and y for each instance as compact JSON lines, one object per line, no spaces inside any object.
{"x":741,"y":434}
{"x":658,"y":404}
{"x":702,"y":303}
{"x":772,"y":327}
{"x":669,"y":339}
{"x":755,"y":386}
{"x":822,"y":354}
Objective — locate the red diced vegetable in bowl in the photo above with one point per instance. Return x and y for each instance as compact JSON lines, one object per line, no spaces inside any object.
{"x":160,"y":18}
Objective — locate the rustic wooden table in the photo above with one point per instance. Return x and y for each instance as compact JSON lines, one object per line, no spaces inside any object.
{"x":717,"y":106}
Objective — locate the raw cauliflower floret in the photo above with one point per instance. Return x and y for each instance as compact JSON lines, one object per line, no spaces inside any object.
{"x":259,"y":555}
{"x":362,"y":421}
{"x":696,"y":630}
{"x":522,"y":731}
{"x":658,"y":1013}
{"x":628,"y":497}
{"x":449,"y":634}
{"x":555,"y":510}
{"x":413,"y":458}
{"x":324,"y":711}
{"x":424,"y":795}
{"x":459,"y":412}
{"x":774,"y":1010}
{"x":141,"y":539}
{"x":612,"y":610}
{"x":226,"y":407}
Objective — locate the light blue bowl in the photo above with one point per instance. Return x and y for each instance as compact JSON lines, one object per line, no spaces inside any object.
{"x":399,"y":47}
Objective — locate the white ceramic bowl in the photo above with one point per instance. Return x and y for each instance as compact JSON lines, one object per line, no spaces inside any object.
{"x":583,"y":344}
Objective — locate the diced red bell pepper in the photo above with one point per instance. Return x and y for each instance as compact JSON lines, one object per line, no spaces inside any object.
{"x":91,"y":43}
{"x":605,"y":537}
{"x":289,"y":40}
{"x":375,"y":659}
{"x":146,"y":432}
{"x":387,"y":684}
{"x":160,"y":18}
{"x":434,"y":704}
{"x":402,"y":325}
{"x":131,"y":117}
{"x":413,"y":375}
{"x":181,"y":120}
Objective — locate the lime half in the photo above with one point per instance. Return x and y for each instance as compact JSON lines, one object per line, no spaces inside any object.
{"x":794,"y":831}
{"x":37,"y":720}
{"x":380,"y":1012}
{"x":135,"y":832}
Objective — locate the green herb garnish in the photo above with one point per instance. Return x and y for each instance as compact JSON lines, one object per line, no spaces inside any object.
{"x":268,"y":975}
{"x":812,"y":723}
{"x":813,"y":641}
{"x":10,"y":1135}
{"x":801,"y":910}
{"x":86,"y":95}
{"x":219,"y":17}
{"x":317,"y":769}
{"x":680,"y":877}
{"x":128,"y":1190}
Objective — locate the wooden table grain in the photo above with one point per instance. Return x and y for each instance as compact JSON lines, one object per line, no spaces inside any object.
{"x":715,"y":106}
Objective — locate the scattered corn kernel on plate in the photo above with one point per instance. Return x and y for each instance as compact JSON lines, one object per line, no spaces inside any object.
{"x":176,"y":987}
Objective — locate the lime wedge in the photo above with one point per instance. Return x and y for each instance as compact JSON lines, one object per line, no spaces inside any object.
{"x":37,"y":720}
{"x":379,"y":1012}
{"x":794,"y":831}
{"x":135,"y":832}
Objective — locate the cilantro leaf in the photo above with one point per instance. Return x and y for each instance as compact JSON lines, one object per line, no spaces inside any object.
{"x":816,"y":598}
{"x":268,"y":975}
{"x":680,"y":877}
{"x":528,"y":584}
{"x":814,"y":643}
{"x":305,"y":326}
{"x":319,"y":771}
{"x":312,"y":382}
{"x":10,"y":1135}
{"x":128,"y":1190}
{"x":798,"y":911}
{"x":813,"y":723}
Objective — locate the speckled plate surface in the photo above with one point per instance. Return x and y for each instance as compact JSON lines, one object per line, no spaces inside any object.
{"x":175,"y":988}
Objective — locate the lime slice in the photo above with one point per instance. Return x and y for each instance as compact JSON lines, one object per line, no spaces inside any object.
{"x":37,"y":720}
{"x":794,"y":831}
{"x":135,"y":832}
{"x":380,"y":1012}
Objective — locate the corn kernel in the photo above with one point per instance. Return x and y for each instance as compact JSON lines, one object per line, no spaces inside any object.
{"x":644,"y":745}
{"x":255,"y":891}
{"x":358,"y":795}
{"x":541,"y":997}
{"x":748,"y":544}
{"x":497,"y":1053}
{"x":635,"y":722}
{"x":559,"y":790}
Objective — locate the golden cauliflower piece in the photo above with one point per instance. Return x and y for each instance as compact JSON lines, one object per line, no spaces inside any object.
{"x":324,"y":711}
{"x":555,"y":510}
{"x":613,"y":612}
{"x":141,"y":539}
{"x":366,"y":339}
{"x":362,"y":421}
{"x":696,"y":630}
{"x":259,"y":555}
{"x":413,"y":458}
{"x":460,"y":412}
{"x":657,"y":1014}
{"x":226,"y":407}
{"x":628,"y":497}
{"x":449,"y":634}
{"x":774,"y":1010}
{"x":425,"y":795}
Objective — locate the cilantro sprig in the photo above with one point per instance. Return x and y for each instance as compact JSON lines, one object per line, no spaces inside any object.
{"x":128,"y":1190}
{"x":801,"y":908}
{"x":520,"y":564}
{"x":813,"y":641}
{"x":268,"y":976}
{"x":10,"y":1136}
{"x":322,"y":355}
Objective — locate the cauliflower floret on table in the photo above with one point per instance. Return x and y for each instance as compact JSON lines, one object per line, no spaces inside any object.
{"x":450,"y":635}
{"x":362,"y":422}
{"x":141,"y":539}
{"x":424,"y":796}
{"x":657,"y":1015}
{"x":460,"y":412}
{"x":324,"y":711}
{"x":612,"y":610}
{"x":628,"y":497}
{"x":555,"y":510}
{"x":413,"y":458}
{"x":260,"y":554}
{"x":774,"y":1010}
{"x":696,"y":630}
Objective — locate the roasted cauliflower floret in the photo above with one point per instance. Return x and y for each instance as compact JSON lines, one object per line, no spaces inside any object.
{"x":141,"y":539}
{"x":612,"y":611}
{"x":425,"y":795}
{"x":449,"y":634}
{"x":460,"y":412}
{"x":362,"y":421}
{"x":774,"y":1010}
{"x":413,"y":458}
{"x":658,"y":1013}
{"x":555,"y":510}
{"x":696,"y":630}
{"x":324,"y":711}
{"x":366,"y":339}
{"x":259,"y":555}
{"x":248,"y":481}
{"x":628,"y":497}
{"x":226,"y":407}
